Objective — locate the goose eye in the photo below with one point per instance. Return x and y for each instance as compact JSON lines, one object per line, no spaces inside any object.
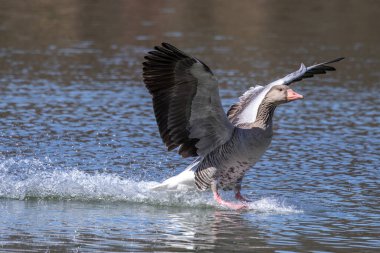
{"x":281,"y":89}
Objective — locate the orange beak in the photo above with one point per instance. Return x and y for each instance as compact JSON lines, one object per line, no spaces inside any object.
{"x":292,"y":95}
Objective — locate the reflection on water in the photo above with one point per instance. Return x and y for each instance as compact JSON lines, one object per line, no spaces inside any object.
{"x":116,"y":227}
{"x":79,"y":146}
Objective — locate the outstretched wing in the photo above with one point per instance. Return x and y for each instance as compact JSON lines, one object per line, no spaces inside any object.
{"x":245,"y":111}
{"x":186,"y":101}
{"x":307,"y":72}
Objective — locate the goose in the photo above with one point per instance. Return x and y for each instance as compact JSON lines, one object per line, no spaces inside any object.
{"x":190,"y":117}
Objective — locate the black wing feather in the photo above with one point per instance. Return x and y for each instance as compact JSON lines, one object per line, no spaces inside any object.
{"x":164,"y":70}
{"x":308,"y":72}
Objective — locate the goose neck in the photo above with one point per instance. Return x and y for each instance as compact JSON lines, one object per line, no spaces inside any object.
{"x":265,"y":115}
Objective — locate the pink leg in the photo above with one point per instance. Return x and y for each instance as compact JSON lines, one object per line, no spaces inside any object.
{"x":223,"y":202}
{"x":238,"y":195}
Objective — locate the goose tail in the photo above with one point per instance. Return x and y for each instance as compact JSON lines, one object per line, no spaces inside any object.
{"x":183,"y":181}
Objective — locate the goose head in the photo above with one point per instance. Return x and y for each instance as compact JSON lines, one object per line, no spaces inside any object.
{"x":281,"y":94}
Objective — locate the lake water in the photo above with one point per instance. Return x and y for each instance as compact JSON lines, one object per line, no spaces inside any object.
{"x":79,"y":146}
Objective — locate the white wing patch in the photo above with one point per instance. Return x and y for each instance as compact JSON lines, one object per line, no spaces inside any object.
{"x":249,"y":103}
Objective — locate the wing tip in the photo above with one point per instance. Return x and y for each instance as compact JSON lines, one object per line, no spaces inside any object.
{"x":335,"y":60}
{"x":166,"y":44}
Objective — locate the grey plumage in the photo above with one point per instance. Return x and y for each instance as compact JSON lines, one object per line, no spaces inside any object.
{"x":238,"y":154}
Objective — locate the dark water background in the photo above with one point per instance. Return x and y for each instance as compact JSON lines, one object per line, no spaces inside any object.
{"x":79,"y":146}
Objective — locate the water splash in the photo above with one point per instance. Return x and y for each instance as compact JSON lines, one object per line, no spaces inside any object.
{"x":32,"y":178}
{"x":273,"y":205}
{"x":35,"y":179}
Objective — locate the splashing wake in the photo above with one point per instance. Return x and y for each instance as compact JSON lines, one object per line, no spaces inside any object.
{"x":31,"y":178}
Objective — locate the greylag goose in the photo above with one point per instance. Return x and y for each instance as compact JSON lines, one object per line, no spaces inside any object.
{"x":190,"y":116}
